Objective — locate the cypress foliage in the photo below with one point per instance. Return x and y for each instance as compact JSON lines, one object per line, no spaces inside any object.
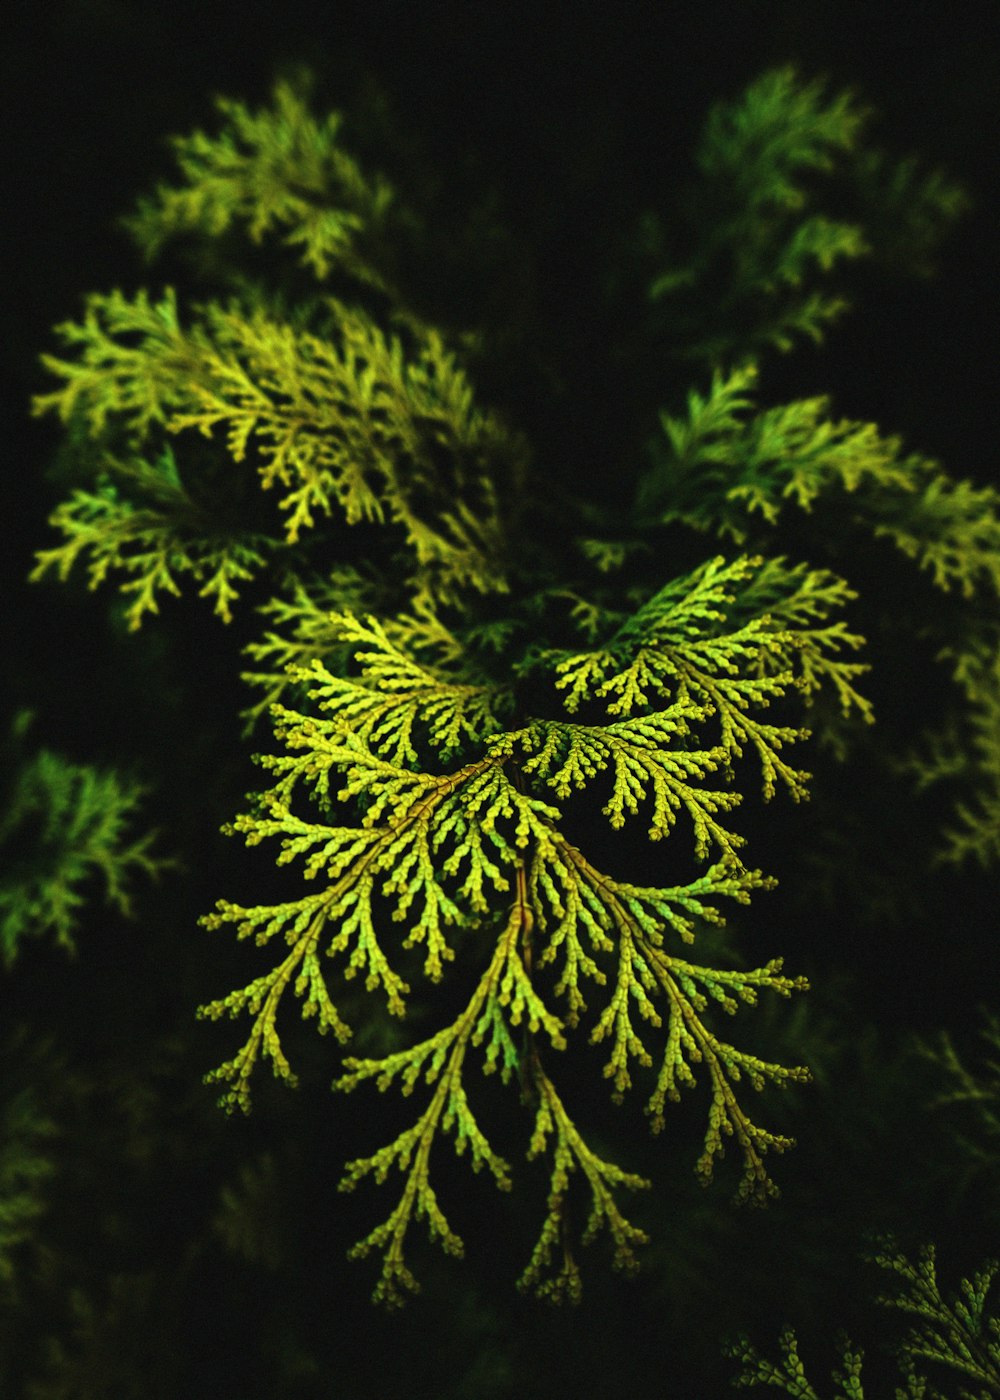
{"x":516,"y":742}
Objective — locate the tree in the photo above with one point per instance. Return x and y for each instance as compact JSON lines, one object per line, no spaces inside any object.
{"x":516,"y":718}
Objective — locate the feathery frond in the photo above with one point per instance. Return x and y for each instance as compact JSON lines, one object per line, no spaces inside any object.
{"x":277,"y":169}
{"x":63,"y":824}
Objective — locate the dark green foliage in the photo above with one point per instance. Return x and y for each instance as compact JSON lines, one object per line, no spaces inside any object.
{"x":957,"y":1337}
{"x":754,"y":258}
{"x":25,"y":1170}
{"x":61,"y":825}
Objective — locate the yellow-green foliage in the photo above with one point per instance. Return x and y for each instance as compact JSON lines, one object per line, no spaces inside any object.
{"x":277,"y":169}
{"x":410,"y":799}
{"x":731,"y":470}
{"x":796,"y":454}
{"x":346,"y":423}
{"x":445,"y":709}
{"x":959,"y":1335}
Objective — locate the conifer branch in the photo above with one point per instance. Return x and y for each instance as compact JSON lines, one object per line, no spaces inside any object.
{"x":503,"y":996}
{"x":497,"y":834}
{"x":753,"y":261}
{"x":349,"y":424}
{"x":274,"y":169}
{"x":82,"y":819}
{"x":958,"y":1335}
{"x":436,"y":707}
{"x":570,"y":1153}
{"x":153,"y":538}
